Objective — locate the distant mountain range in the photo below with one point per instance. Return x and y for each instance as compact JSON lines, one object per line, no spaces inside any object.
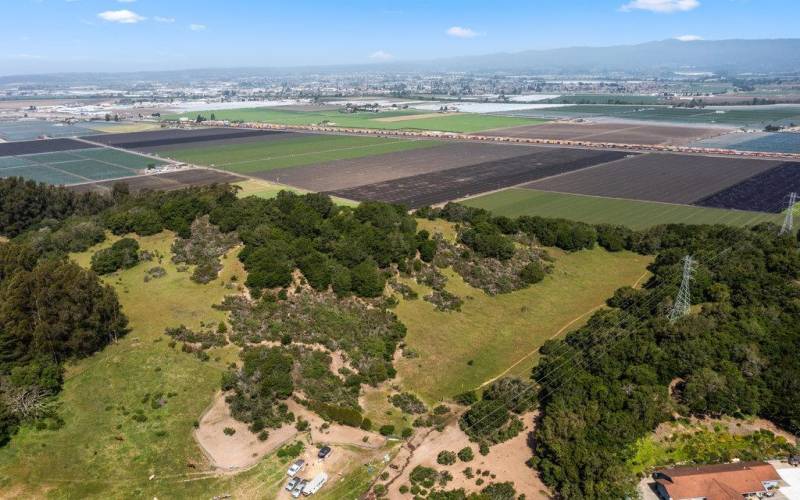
{"x":732,"y":57}
{"x":719,"y":56}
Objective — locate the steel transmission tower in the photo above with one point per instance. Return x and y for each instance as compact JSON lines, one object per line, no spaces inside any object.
{"x":788,"y":221}
{"x":684,"y":299}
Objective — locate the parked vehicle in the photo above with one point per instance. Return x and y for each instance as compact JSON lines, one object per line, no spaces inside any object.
{"x":292,"y":483}
{"x":296,"y":467}
{"x":324,"y":452}
{"x":315,"y":484}
{"x":298,"y":489}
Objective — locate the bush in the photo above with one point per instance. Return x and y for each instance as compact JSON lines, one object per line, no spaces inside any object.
{"x":123,"y":254}
{"x":386,"y":430}
{"x":366,"y":424}
{"x":367,"y":280}
{"x":407,"y":432}
{"x":446,"y":458}
{"x":408,"y":402}
{"x":466,"y":454}
{"x":229,"y":431}
{"x":532,"y":273}
{"x":291,"y":450}
{"x":500,"y":491}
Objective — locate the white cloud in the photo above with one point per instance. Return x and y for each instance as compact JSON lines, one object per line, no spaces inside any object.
{"x":123,"y":16}
{"x":26,"y":56}
{"x":661,"y":6}
{"x":126,"y":1}
{"x":688,"y":38}
{"x":460,"y":32}
{"x":381,"y":55}
{"x":160,"y":19}
{"x":197,"y":27}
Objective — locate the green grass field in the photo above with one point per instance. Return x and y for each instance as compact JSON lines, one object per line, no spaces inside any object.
{"x":598,"y":210}
{"x":461,"y":122}
{"x":265,"y":189}
{"x":497,"y":332}
{"x":101,"y":452}
{"x":293,"y":152}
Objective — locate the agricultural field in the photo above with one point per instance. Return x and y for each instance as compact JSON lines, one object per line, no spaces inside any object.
{"x":599,"y":210}
{"x":771,"y":142}
{"x":438,"y":187}
{"x":455,"y":354}
{"x":167,"y":181}
{"x":25,"y":130}
{"x":665,"y":178}
{"x":621,"y":133}
{"x":265,"y":189}
{"x":741,"y":116}
{"x":389,"y":120}
{"x":297,"y":150}
{"x":344,"y":174}
{"x":35,"y":147}
{"x":766,"y":191}
{"x":155,"y":139}
{"x":75,"y":166}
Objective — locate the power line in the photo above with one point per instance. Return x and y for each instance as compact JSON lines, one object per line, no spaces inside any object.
{"x":788,"y":220}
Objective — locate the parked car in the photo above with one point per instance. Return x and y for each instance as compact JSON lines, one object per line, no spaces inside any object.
{"x":298,"y":489}
{"x":296,"y":467}
{"x":292,"y":483}
{"x":324,"y":452}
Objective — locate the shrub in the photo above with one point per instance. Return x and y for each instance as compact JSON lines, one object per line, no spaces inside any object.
{"x":229,"y":431}
{"x":386,"y":430}
{"x":407,"y":432}
{"x":446,"y":458}
{"x":408,"y":402}
{"x":123,"y":254}
{"x":466,"y":454}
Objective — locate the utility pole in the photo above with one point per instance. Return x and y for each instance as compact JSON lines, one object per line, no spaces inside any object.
{"x":788,"y":221}
{"x":684,"y":299}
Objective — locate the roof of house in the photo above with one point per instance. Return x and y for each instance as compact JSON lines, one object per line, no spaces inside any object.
{"x":716,"y":482}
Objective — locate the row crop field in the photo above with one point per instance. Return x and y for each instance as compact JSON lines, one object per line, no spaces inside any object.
{"x":75,"y":166}
{"x":297,"y":150}
{"x":177,"y":136}
{"x":752,"y":116}
{"x":668,"y":178}
{"x":614,"y":132}
{"x":168,"y":181}
{"x":389,"y":120}
{"x":445,"y":185}
{"x":598,"y":210}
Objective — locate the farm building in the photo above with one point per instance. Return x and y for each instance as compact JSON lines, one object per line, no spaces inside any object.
{"x":717,"y":482}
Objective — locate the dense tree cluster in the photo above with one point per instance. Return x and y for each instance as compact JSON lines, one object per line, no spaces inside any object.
{"x":203,"y":249}
{"x":494,"y":418}
{"x":606,"y":385}
{"x":25,"y":204}
{"x":51,"y":310}
{"x":123,"y":254}
{"x":340,"y":247}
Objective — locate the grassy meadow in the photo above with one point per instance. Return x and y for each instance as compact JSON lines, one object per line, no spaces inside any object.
{"x":459,"y":351}
{"x":292,"y":152}
{"x":453,"y":122}
{"x":598,"y":210}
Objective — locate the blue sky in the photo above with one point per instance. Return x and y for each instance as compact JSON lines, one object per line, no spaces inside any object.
{"x":115,"y":35}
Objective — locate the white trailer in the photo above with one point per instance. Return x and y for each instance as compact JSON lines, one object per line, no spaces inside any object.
{"x":315,"y":484}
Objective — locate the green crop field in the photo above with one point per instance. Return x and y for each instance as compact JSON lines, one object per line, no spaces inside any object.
{"x":599,"y":210}
{"x":460,"y":122}
{"x":754,"y":116}
{"x":459,"y":351}
{"x":101,"y":452}
{"x":271,"y":154}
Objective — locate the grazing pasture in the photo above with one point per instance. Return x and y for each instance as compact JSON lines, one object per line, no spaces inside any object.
{"x":301,"y":149}
{"x":75,"y":166}
{"x":620,"y":133}
{"x":458,"y":351}
{"x":387,"y":120}
{"x":344,"y":174}
{"x":766,"y":192}
{"x":438,"y":187}
{"x":666,"y":178}
{"x":598,"y":210}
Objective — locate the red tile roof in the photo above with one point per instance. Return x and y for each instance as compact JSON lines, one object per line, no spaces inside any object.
{"x":716,"y":482}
